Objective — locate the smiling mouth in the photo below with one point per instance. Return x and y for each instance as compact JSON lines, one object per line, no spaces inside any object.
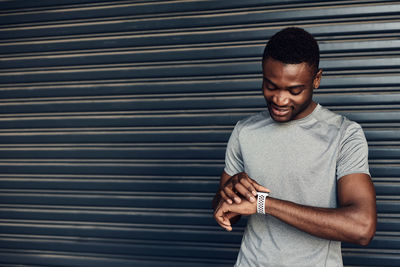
{"x":279,"y":111}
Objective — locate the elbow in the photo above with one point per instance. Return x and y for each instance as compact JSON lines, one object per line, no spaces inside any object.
{"x":366,"y":233}
{"x":364,"y":240}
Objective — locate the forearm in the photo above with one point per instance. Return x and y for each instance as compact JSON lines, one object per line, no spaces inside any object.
{"x":352,"y":223}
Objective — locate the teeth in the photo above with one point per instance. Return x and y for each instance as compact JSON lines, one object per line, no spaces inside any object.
{"x":280,"y":111}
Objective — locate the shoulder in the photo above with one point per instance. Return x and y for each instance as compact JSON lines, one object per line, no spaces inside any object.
{"x":253,"y":121}
{"x":344,"y":125}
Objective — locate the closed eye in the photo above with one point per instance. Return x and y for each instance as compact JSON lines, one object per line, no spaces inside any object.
{"x":296,"y":91}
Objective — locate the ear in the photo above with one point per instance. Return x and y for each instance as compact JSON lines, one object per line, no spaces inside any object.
{"x":317,"y":79}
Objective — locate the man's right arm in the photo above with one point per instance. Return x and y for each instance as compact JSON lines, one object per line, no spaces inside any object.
{"x":225,"y":178}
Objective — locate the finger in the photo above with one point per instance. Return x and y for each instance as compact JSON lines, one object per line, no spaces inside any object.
{"x":226,"y":223}
{"x":230,"y":194}
{"x":245,"y":192}
{"x":228,"y":228}
{"x":225,"y":197}
{"x":222,"y":220}
{"x":259,"y":187}
{"x":247,"y":183}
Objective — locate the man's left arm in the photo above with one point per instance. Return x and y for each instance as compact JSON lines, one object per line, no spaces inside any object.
{"x":353,"y":221}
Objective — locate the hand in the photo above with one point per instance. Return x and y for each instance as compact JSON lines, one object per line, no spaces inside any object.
{"x":225,"y":212}
{"x":241,"y":186}
{"x":217,"y":201}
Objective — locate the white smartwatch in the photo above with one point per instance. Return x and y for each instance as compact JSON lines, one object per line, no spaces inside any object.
{"x":261,"y":196}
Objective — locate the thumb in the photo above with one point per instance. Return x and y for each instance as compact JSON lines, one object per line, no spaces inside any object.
{"x":230,"y":215}
{"x":259,"y":187}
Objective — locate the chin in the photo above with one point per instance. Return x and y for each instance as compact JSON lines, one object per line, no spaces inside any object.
{"x":281,"y":119}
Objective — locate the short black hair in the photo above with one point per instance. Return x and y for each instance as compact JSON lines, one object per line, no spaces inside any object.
{"x":293,"y":46}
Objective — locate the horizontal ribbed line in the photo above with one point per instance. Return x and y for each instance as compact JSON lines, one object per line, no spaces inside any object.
{"x":133,"y":148}
{"x":130,"y":82}
{"x":138,"y":130}
{"x":147,"y":163}
{"x":141,"y":97}
{"x":206,"y":72}
{"x":180,"y":212}
{"x":211,"y":74}
{"x":272,"y":6}
{"x":40,"y":256}
{"x":171,"y":113}
{"x":383,"y":46}
{"x":384,"y":25}
{"x":107,"y":178}
{"x":361,"y":98}
{"x":328,"y":82}
{"x":95,"y":7}
{"x":368,"y":117}
{"x":132,"y":129}
{"x":334,"y":10}
{"x":69,"y":8}
{"x":104,"y":225}
{"x":36,"y":256}
{"x":196,"y":244}
{"x":93,"y":180}
{"x":127,"y":114}
{"x":147,"y":29}
{"x":387,"y":198}
{"x":386,"y":180}
{"x":85,"y":132}
{"x":139,"y":65}
{"x":111,"y":161}
{"x":199,"y":244}
{"x":101,"y":195}
{"x":385,"y":162}
{"x":141,"y":49}
{"x":206,"y":7}
{"x":187,"y":57}
{"x":328,"y":9}
{"x":175,"y":96}
{"x":176,"y":146}
{"x":117,"y":209}
{"x":378,"y":254}
{"x":118,"y":145}
{"x":120,"y":4}
{"x":323,"y":91}
{"x":139,"y":147}
{"x":352,"y":62}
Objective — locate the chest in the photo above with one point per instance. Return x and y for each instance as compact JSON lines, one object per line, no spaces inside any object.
{"x":296,"y":164}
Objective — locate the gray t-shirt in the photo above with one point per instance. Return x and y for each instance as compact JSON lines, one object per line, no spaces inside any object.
{"x":299,"y":161}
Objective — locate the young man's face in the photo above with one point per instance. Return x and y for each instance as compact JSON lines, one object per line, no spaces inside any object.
{"x":288,"y":89}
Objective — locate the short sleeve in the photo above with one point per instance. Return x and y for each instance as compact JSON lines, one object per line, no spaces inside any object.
{"x":233,"y":156}
{"x":353,"y":152}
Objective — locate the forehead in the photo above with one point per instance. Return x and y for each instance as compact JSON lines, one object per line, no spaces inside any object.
{"x":279,"y":71}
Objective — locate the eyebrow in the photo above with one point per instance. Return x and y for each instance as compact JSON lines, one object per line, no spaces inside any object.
{"x":288,"y":88}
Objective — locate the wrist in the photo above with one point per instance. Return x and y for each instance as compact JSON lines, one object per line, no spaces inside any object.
{"x":261,"y":199}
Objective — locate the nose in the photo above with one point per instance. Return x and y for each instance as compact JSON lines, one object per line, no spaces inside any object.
{"x":281,"y":97}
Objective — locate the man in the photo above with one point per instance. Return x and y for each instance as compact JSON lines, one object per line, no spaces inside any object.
{"x":313,"y":163}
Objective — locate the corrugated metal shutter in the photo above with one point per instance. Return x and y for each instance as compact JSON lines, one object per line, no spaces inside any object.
{"x":114,"y":116}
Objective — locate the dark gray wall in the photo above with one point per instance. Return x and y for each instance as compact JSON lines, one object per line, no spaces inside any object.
{"x":114,"y":116}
